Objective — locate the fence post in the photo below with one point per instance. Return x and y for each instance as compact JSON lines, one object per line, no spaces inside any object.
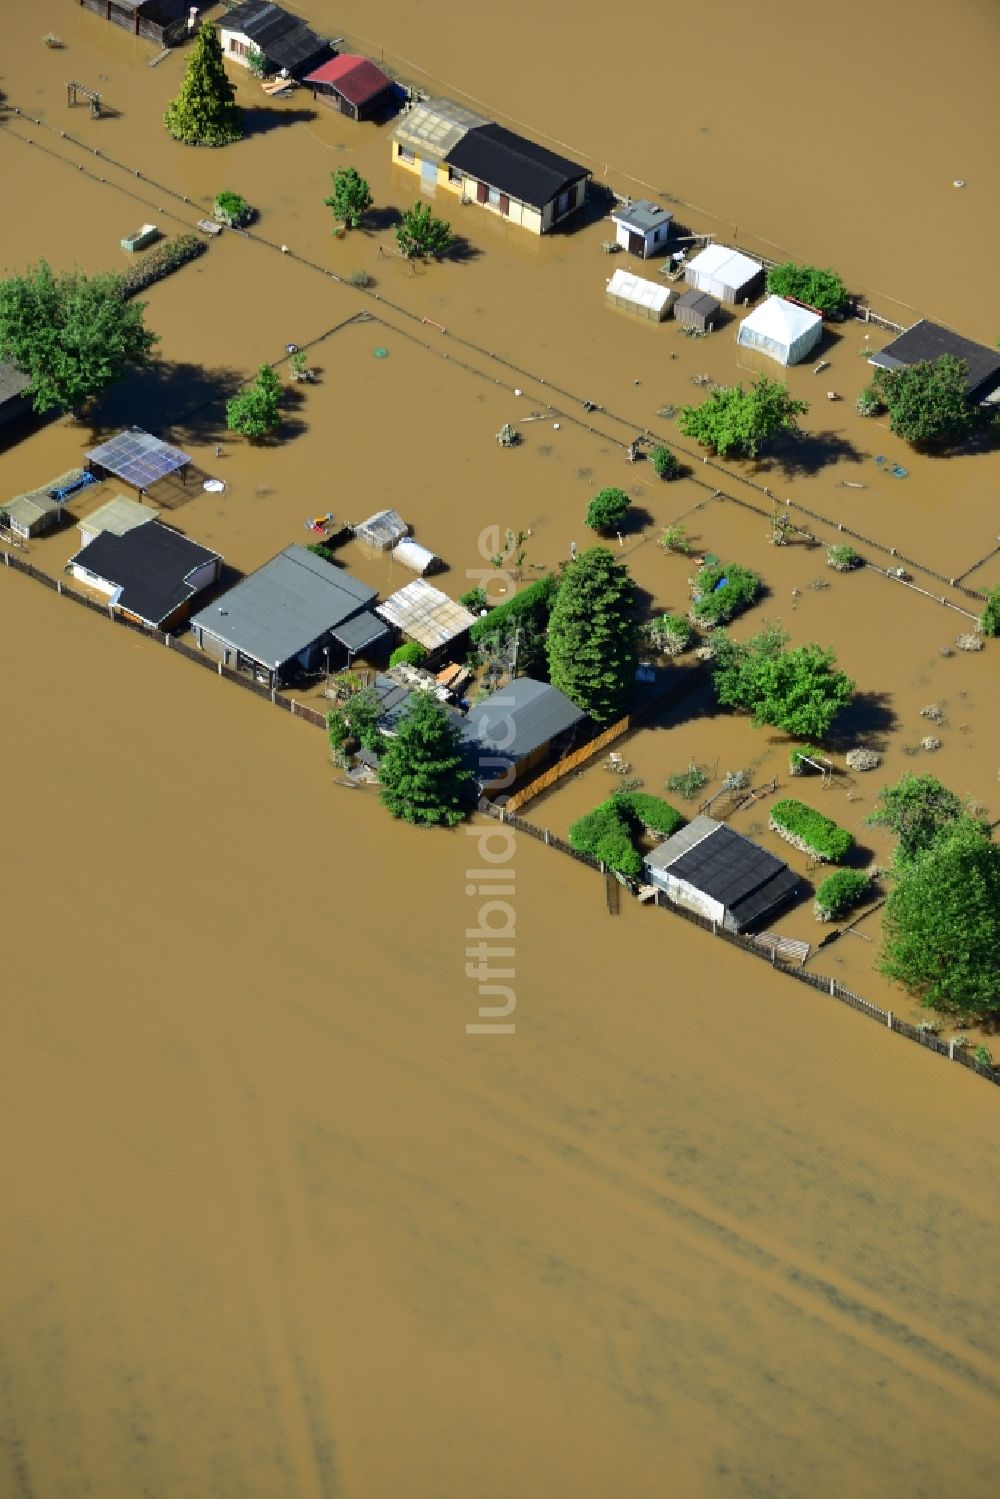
{"x":166,"y":640}
{"x":889,"y":1019}
{"x":59,"y":586}
{"x":546,"y":836}
{"x":774,"y":956}
{"x":833,"y":986}
{"x":951,"y":1051}
{"x":219,"y":668}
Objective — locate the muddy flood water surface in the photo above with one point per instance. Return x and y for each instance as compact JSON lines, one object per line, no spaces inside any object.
{"x":274,"y":1226}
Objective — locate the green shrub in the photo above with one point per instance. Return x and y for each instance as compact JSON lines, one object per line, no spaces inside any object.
{"x":842,"y":558}
{"x":607,"y":510}
{"x":666,"y":465}
{"x":360,"y":279}
{"x":233,"y":210}
{"x":989,"y":620}
{"x":410,"y":654}
{"x":160,"y":261}
{"x":840,"y":893}
{"x":811,"y":831}
{"x":672,"y":633}
{"x":687,"y":783}
{"x":822,"y":289}
{"x":605,"y":833}
{"x":798,"y":756}
{"x":475,"y":600}
{"x":653,"y":814}
{"x":674,"y":539}
{"x":528,"y":612}
{"x":869,"y":402}
{"x":723,"y":590}
{"x":319,"y":550}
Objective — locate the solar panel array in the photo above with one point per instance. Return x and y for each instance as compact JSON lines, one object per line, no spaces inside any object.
{"x":138,"y":457}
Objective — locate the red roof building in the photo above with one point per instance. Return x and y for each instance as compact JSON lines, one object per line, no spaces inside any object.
{"x":353,"y":85}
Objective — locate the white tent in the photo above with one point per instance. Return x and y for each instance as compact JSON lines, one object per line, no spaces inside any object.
{"x":642,"y":298}
{"x":781,"y":330}
{"x":412,"y":555}
{"x":723,"y":273}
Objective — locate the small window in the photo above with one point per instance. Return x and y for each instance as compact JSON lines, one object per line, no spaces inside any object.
{"x":493,"y":197}
{"x":454,"y":175}
{"x":404,"y":154}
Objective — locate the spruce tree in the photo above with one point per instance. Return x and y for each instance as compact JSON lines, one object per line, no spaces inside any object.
{"x":593,"y":631}
{"x":205,"y":113}
{"x":424,"y":778}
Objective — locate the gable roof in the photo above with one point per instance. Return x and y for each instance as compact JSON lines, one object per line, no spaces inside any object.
{"x":781,"y":320}
{"x":150,"y":565}
{"x":929,"y":341}
{"x":723,"y":264}
{"x":697,"y":301}
{"x":285,"y":606}
{"x":520,"y":718}
{"x":355,"y":78}
{"x":641,"y":216}
{"x":639,"y":290}
{"x":284,"y":39}
{"x":514,"y":165}
{"x":430,"y":129}
{"x":426,"y":614}
{"x":745,"y":879}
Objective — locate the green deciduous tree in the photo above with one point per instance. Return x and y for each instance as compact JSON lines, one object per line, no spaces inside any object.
{"x":806,"y":283}
{"x":666,"y":464}
{"x":411,"y":653}
{"x":421,"y":234}
{"x":205,"y":112}
{"x":73,"y":334}
{"x":797,"y":691}
{"x":232,"y":209}
{"x":593,"y":634}
{"x":608,"y":509}
{"x":927,"y":402}
{"x":256,"y":411}
{"x":350,"y":197}
{"x":734,"y":420}
{"x":920,"y":811}
{"x":424,"y":778}
{"x":941,"y":931}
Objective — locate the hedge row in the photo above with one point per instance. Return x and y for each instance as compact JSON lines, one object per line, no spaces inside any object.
{"x":654,"y":813}
{"x":840,"y":893}
{"x":528,"y":611}
{"x":612,"y":830}
{"x":810,"y":830}
{"x":161,"y":261}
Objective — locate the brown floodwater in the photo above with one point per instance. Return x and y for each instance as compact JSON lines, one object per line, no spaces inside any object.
{"x":274,"y":1223}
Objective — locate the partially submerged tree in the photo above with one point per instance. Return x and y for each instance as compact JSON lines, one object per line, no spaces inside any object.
{"x":989,"y":620}
{"x":256,"y":411}
{"x":927,"y":401}
{"x":205,"y":112}
{"x":420,"y":234}
{"x":941,"y":931}
{"x":350,"y":197}
{"x":232,"y":209}
{"x":734,"y":420}
{"x":807,"y":283}
{"x":423,"y":774}
{"x":797,"y":691}
{"x":73,"y":334}
{"x":593,"y":634}
{"x":920,"y":811}
{"x":608,"y":509}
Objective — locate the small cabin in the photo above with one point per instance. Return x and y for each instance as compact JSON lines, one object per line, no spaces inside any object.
{"x":696,"y":309}
{"x":642,"y":228}
{"x":353,"y":86}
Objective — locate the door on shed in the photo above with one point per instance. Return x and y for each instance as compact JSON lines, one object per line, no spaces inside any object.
{"x":481,"y":192}
{"x":504,"y":204}
{"x":428,"y":171}
{"x":636,"y":243}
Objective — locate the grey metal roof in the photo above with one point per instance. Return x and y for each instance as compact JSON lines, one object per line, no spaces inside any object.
{"x":287,"y":605}
{"x":929,"y":341}
{"x":360,"y":630}
{"x":722,"y":864}
{"x":642,"y":216}
{"x":520,"y":718}
{"x":668,"y":852}
{"x":426,"y":615}
{"x":138,"y":457}
{"x":431,"y":129}
{"x":698,"y":301}
{"x":13,"y":382}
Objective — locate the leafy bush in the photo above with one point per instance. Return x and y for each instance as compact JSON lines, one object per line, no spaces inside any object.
{"x":233,"y":210}
{"x":869,"y":402}
{"x":674,"y":539}
{"x":350,"y":197}
{"x":671,"y":633}
{"x":842,"y":558}
{"x":723,"y":591}
{"x":687,"y":783}
{"x":810,"y":830}
{"x":989,"y":620}
{"x":475,"y":600}
{"x":666,"y":465}
{"x":822,"y":289}
{"x":256,"y":411}
{"x":528,"y":611}
{"x":319,"y":550}
{"x":160,"y":261}
{"x":927,"y":401}
{"x":420,"y":234}
{"x":607,"y":510}
{"x":799,"y":755}
{"x":652,"y":813}
{"x":840,"y":893}
{"x":410,"y":654}
{"x":360,"y":279}
{"x":734,"y":420}
{"x":605,"y":833}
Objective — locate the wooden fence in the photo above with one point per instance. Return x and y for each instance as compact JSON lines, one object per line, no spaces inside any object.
{"x":817,"y":981}
{"x":260,"y":689}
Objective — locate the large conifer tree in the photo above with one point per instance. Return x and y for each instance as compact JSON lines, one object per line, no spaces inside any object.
{"x":423,"y":775}
{"x":205,"y":113}
{"x":592,"y":639}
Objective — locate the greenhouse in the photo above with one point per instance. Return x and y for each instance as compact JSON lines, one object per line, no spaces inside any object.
{"x":641,"y":298}
{"x":382,"y":530}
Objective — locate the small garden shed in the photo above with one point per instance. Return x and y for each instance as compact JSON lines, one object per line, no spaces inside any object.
{"x":642,"y":228}
{"x":726,"y":274}
{"x":782,"y":330}
{"x":412,"y":555}
{"x":32,"y":514}
{"x":696,"y":309}
{"x":382,"y":530}
{"x":643,"y":299}
{"x":352,"y":85}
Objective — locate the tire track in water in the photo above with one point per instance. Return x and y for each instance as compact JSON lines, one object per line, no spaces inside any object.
{"x":794,"y":1276}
